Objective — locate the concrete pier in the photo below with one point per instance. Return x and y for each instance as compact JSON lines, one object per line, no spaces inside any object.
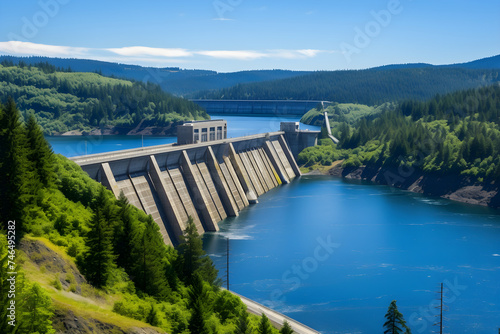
{"x":206,"y":181}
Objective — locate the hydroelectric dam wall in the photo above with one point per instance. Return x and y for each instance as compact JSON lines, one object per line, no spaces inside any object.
{"x":258,"y":107}
{"x":207,"y":181}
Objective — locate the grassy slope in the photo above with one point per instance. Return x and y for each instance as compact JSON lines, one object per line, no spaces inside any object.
{"x":89,"y":304}
{"x":350,"y":111}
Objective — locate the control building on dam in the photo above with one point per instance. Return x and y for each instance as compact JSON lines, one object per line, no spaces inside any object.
{"x":208,"y":181}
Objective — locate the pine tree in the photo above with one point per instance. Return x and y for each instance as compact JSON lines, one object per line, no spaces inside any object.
{"x":243,"y":325}
{"x":264,"y":325}
{"x":286,"y":329}
{"x":98,"y":260}
{"x":395,"y":323}
{"x":198,"y":304}
{"x":192,"y":258}
{"x":40,"y":153}
{"x":152,"y":317}
{"x":123,"y":234}
{"x":14,"y":178}
{"x":148,"y":253}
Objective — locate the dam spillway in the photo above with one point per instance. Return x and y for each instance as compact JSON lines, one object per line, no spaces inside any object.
{"x":206,"y":181}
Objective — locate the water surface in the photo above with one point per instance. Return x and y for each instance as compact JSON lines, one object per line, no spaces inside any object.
{"x":334,"y":254}
{"x":71,"y":146}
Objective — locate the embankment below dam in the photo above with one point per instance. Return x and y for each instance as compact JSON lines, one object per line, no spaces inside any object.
{"x":451,"y":186}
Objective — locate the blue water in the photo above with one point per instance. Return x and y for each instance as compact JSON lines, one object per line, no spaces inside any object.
{"x":71,"y":146}
{"x":334,"y":254}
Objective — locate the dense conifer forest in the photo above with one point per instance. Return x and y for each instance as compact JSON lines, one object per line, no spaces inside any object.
{"x":457,"y":134}
{"x":370,"y":87}
{"x":62,"y":100}
{"x":129,"y":271}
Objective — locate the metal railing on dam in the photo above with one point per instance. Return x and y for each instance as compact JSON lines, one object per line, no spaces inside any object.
{"x":207,"y":181}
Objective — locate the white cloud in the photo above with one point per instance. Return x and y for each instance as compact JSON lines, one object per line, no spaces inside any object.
{"x":238,"y":55}
{"x":28,"y":48}
{"x":294,"y":54}
{"x":309,"y":52}
{"x":147,"y":51}
{"x":148,"y":55}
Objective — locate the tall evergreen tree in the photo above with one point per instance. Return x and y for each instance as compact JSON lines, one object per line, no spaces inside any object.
{"x":286,"y":329}
{"x":395,"y":323}
{"x":13,"y":173}
{"x":264,"y":325}
{"x":123,"y":234}
{"x":192,"y":258}
{"x":199,"y":305}
{"x":152,"y":317}
{"x":243,"y":325}
{"x":40,"y":153}
{"x":148,"y":253}
{"x":99,"y":258}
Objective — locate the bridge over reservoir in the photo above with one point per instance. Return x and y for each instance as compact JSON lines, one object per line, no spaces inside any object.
{"x":207,"y":181}
{"x":258,"y":107}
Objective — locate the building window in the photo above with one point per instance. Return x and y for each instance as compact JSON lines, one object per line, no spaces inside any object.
{"x":212,"y":133}
{"x":204,"y":134}
{"x":219,"y":132}
{"x":196,"y":135}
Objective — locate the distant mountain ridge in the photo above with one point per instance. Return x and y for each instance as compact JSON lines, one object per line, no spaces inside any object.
{"x":210,"y":84}
{"x":171,"y":79}
{"x":488,"y":63}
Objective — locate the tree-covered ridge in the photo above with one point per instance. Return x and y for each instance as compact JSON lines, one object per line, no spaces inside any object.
{"x":370,"y":87}
{"x":63,"y":101}
{"x":457,"y":133}
{"x":343,"y":113}
{"x":117,"y":247}
{"x":177,"y":81}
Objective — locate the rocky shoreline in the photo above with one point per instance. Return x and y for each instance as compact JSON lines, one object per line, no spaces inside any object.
{"x":141,"y":129}
{"x":454,"y":187}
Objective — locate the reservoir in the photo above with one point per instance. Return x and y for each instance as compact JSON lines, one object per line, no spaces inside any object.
{"x":333,"y":254}
{"x":237,"y":126}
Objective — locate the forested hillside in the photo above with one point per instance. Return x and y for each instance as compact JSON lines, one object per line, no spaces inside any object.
{"x":344,"y":113}
{"x":370,"y":87}
{"x":58,"y":224}
{"x":456,"y":134}
{"x":174,"y":80}
{"x":63,"y":101}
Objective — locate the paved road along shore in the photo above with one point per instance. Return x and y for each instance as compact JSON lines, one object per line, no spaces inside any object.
{"x":275,"y":317}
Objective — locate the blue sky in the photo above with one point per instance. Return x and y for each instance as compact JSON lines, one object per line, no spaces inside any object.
{"x":231,"y":35}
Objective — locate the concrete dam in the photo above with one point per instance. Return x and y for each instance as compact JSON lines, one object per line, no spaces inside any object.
{"x":207,"y":181}
{"x":258,"y":107}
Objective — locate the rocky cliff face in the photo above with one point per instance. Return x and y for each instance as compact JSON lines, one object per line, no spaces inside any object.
{"x":454,"y":187}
